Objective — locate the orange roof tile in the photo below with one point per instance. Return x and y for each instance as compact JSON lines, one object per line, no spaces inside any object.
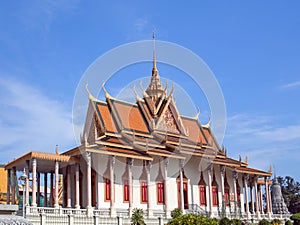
{"x":195,"y":133}
{"x":106,"y":117}
{"x":131,"y":117}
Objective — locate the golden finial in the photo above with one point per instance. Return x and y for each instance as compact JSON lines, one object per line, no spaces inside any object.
{"x":246,"y":159}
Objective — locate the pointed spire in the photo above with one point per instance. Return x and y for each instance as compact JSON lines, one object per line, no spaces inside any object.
{"x":154,"y":70}
{"x":155,"y":88}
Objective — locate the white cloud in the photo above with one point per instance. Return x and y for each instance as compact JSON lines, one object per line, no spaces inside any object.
{"x":41,"y":14}
{"x":291,"y":85}
{"x":30,"y":121}
{"x":266,"y":141}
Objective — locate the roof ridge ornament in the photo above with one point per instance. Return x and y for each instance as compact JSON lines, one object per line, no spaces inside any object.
{"x":138,"y":98}
{"x":90,"y":96}
{"x":196,"y":117}
{"x":107,"y":95}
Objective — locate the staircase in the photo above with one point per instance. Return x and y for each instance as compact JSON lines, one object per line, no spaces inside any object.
{"x":196,"y":209}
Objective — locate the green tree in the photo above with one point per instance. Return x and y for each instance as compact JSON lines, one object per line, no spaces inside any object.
{"x":137,"y":217}
{"x":176,"y":213}
{"x":296,"y":218}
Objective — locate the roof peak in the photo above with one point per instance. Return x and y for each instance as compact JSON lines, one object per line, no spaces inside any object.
{"x":155,"y":88}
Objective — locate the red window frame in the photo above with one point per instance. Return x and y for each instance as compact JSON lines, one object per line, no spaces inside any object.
{"x":160,"y":192}
{"x":144,"y":192}
{"x":107,"y":189}
{"x":202,"y":195}
{"x":125,"y":191}
{"x":215,"y":199}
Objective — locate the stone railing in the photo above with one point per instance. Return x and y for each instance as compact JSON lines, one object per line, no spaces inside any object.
{"x":70,"y":216}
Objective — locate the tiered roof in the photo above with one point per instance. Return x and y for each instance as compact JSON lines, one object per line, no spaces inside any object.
{"x":152,"y":127}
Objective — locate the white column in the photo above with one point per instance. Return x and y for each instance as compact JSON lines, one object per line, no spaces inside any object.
{"x":130,"y":164}
{"x":68,"y":187}
{"x":45,"y":189}
{"x":235,"y":179}
{"x":89,"y":180}
{"x":77,"y":204}
{"x":256,"y":198}
{"x":149,"y":203}
{"x":246,"y":178}
{"x":51,"y":190}
{"x":8,"y":187}
{"x":27,"y":183}
{"x":34,"y":182}
{"x":261,"y":200}
{"x":252,"y":198}
{"x":181,"y":164}
{"x":166,"y":162}
{"x":267,"y":195}
{"x":13,"y":186}
{"x":209,"y":170}
{"x":112,"y":186}
{"x":56,"y":205}
{"x":222,"y":170}
{"x":39,"y":189}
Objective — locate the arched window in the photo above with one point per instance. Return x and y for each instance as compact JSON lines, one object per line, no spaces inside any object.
{"x":144,"y":192}
{"x":160,"y":192}
{"x":107,"y":189}
{"x":202,"y":190}
{"x":125,"y":191}
{"x":215,"y":199}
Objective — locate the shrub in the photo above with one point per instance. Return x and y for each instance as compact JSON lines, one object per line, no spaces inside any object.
{"x":236,"y":222}
{"x":276,"y":222}
{"x":296,"y":218}
{"x":288,"y":222}
{"x":225,"y":221}
{"x":192,"y":219}
{"x":176,"y":213}
{"x":137,"y":217}
{"x":264,"y":222}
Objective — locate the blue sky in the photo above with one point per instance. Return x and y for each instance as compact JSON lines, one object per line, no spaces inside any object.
{"x":252,"y":47}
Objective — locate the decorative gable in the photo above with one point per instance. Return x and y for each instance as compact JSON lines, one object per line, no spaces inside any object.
{"x":168,"y":122}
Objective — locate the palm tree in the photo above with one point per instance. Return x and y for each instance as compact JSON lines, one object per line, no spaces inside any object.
{"x":137,"y":217}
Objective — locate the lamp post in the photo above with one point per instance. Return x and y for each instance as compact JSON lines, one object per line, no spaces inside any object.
{"x":23,"y":178}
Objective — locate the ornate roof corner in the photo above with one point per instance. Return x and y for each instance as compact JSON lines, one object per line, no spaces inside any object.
{"x":208,"y":123}
{"x":240,"y":158}
{"x":246,"y":160}
{"x":90,"y":96}
{"x":143,"y":90}
{"x":166,"y":88}
{"x":172,"y":91}
{"x":198,"y":113}
{"x":107,"y":95}
{"x":138,"y":98}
